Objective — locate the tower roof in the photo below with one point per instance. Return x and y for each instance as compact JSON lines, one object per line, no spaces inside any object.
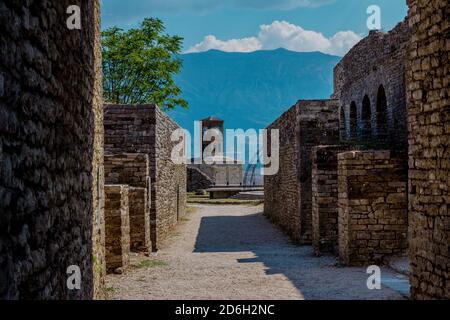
{"x":211,"y":118}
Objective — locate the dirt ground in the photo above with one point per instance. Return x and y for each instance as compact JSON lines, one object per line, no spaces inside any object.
{"x":233,"y":252}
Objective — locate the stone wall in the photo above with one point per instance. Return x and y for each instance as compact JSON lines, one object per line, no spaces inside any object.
{"x":288,"y":196}
{"x":282,"y":191}
{"x":132,"y":169}
{"x":146,"y":129}
{"x":197,"y":180}
{"x":117,"y":226}
{"x":325,"y":198}
{"x":50,"y":150}
{"x":170,"y":186}
{"x":369,"y":81}
{"x":318,"y":123}
{"x":139,"y":220}
{"x":429,"y":153}
{"x":373,"y":217}
{"x":220,"y":174}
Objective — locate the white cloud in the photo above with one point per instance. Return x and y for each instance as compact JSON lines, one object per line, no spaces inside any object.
{"x":282,"y":34}
{"x":233,"y":45}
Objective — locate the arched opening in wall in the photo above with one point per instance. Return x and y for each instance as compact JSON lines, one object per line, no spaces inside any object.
{"x":342,"y":125}
{"x":366,"y":118}
{"x":382,"y":125}
{"x":353,"y":120}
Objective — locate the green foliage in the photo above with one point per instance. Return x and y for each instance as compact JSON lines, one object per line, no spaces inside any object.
{"x":139,"y":65}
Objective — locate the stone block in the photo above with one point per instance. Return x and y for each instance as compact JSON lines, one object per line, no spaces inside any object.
{"x":376,"y":213}
{"x":117,"y":227}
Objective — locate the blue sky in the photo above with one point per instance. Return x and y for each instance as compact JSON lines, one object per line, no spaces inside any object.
{"x":330,"y":26}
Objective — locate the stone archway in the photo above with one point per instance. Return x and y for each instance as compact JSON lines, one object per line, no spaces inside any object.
{"x":366,"y":119}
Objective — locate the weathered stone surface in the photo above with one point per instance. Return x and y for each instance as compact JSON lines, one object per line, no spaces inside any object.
{"x":368,"y":113}
{"x":50,"y":151}
{"x":133,"y":170}
{"x":146,"y":129}
{"x":223,"y":174}
{"x":373,"y":216}
{"x":325,"y":198}
{"x":288,"y":196}
{"x":139,"y":220}
{"x":428,"y":79}
{"x":117,"y":226}
{"x":197,"y":180}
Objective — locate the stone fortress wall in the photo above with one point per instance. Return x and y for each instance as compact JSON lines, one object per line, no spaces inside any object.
{"x":369,"y":81}
{"x":51,"y":151}
{"x":281,"y":191}
{"x":145,"y":129}
{"x":372,"y":71}
{"x":372,"y":204}
{"x":428,"y":82}
{"x":288,"y":194}
{"x":133,"y":170}
{"x":52,"y":196}
{"x":393,"y":97}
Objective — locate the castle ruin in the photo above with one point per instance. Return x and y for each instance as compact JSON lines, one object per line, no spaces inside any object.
{"x":381,"y":189}
{"x":373,"y":160}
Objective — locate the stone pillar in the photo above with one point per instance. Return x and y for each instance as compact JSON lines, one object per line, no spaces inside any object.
{"x":139,"y":220}
{"x":133,"y":169}
{"x":429,"y":153}
{"x":325,"y":198}
{"x":372,"y":207}
{"x":318,"y":123}
{"x":117,"y":226}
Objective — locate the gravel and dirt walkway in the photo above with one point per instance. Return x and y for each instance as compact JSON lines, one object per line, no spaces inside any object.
{"x":233,"y":252}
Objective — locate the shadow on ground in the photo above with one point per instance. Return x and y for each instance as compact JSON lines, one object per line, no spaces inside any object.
{"x":314,"y":277}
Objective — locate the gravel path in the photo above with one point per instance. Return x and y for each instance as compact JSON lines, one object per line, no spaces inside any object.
{"x":233,"y":252}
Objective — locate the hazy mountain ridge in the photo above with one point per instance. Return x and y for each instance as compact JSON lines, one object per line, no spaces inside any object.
{"x":250,"y":90}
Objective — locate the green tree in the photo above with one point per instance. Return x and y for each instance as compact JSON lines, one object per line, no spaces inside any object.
{"x":139,"y":65}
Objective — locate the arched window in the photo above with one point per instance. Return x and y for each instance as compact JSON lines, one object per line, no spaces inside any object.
{"x":382,"y":124}
{"x":353,"y":120}
{"x":343,"y":125}
{"x":366,"y":118}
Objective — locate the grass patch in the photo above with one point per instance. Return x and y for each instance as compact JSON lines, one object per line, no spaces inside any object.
{"x":144,"y":264}
{"x":190,"y":210}
{"x":111,"y":290}
{"x":183,"y":219}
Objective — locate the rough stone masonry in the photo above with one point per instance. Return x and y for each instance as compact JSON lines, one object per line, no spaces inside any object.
{"x":369,"y":82}
{"x":147,"y":129}
{"x":50,"y":150}
{"x":117,"y":225}
{"x":372,"y":201}
{"x":133,"y":170}
{"x":288,"y":194}
{"x":325,"y":198}
{"x":428,"y":82}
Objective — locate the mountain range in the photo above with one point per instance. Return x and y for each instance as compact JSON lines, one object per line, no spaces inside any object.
{"x":250,"y":90}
